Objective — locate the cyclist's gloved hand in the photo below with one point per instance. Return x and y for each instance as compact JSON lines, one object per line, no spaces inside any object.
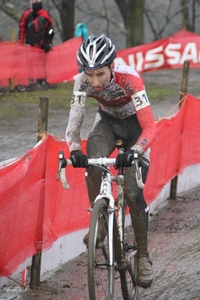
{"x":125,"y":159}
{"x":79,"y":160}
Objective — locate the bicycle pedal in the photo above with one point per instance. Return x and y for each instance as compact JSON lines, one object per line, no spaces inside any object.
{"x":130,"y":247}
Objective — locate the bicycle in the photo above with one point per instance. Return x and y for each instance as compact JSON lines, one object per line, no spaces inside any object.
{"x":108,"y":250}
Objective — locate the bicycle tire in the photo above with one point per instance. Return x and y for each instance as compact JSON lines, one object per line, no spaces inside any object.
{"x":100,"y":273}
{"x":128,"y":275}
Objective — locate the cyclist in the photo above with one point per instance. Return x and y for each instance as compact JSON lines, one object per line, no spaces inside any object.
{"x":124,"y":113}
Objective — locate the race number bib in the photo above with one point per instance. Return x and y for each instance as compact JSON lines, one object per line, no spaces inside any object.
{"x":140,"y":100}
{"x":78,"y":99}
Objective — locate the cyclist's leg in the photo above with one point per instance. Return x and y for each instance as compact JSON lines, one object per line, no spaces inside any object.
{"x":139,"y":217}
{"x":101,"y":143}
{"x":130,"y":130}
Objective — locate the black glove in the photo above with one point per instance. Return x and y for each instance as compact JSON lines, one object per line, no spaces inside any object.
{"x":125,"y":159}
{"x":79,"y":160}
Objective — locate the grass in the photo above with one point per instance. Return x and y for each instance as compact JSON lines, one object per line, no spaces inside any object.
{"x":157,"y":93}
{"x":59,"y":95}
{"x":15,"y":104}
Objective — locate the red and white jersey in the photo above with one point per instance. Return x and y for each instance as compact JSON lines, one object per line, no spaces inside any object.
{"x":124,"y":96}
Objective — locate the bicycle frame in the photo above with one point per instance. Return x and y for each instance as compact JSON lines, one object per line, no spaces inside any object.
{"x":114,"y":210}
{"x":106,"y":192}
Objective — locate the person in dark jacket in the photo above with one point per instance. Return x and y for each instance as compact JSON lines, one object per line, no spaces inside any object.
{"x":35,"y":29}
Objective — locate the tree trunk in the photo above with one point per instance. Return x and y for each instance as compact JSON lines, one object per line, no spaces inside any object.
{"x":186,"y":19}
{"x":135,"y":26}
{"x":132,"y":13}
{"x":67,"y":19}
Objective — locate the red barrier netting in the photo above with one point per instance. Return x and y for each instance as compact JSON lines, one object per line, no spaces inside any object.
{"x":35,"y":210}
{"x":22,"y":62}
{"x":176,"y":147}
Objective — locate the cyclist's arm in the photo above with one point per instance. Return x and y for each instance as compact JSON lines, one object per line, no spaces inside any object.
{"x":146,"y":120}
{"x":133,"y":83}
{"x":76,"y":117}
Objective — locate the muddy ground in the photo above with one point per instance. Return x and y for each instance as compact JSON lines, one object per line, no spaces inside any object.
{"x":174,"y":235}
{"x":174,"y":245}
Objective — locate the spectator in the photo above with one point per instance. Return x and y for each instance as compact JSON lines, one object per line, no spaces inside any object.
{"x":35,"y":28}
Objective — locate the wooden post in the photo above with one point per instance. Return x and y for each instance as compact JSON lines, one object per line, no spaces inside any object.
{"x":42,"y":127}
{"x":11,"y":80}
{"x":35,"y":270}
{"x":43,"y":116}
{"x":185,"y":76}
{"x":184,"y":86}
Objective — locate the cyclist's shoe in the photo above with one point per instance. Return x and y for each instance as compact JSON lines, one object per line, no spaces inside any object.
{"x":145,"y":272}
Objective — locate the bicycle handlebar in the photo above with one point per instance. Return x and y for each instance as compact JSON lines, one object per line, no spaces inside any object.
{"x":101,"y":162}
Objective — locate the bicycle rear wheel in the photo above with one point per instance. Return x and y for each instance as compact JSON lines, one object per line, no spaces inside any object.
{"x":100,"y":272}
{"x":128,"y":275}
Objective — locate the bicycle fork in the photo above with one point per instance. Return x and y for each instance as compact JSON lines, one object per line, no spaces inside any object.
{"x":106,"y":192}
{"x":120,"y":213}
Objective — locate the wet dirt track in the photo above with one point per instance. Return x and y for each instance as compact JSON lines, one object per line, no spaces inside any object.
{"x":174,"y":246}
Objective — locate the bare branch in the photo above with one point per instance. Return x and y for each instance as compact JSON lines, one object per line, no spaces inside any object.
{"x":101,"y":14}
{"x":10,"y":11}
{"x":159,"y":29}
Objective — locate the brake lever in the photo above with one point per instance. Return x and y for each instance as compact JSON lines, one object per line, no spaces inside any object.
{"x":138,"y":171}
{"x":136,"y":161}
{"x":61,"y":163}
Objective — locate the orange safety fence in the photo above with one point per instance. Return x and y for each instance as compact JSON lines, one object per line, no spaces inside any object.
{"x":35,"y":210}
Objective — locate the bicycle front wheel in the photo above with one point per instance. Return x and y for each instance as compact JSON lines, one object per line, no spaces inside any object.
{"x":128,"y":274}
{"x":100,"y":270}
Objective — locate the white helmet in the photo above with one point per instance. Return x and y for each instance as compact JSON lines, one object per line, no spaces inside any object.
{"x":96,"y":52}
